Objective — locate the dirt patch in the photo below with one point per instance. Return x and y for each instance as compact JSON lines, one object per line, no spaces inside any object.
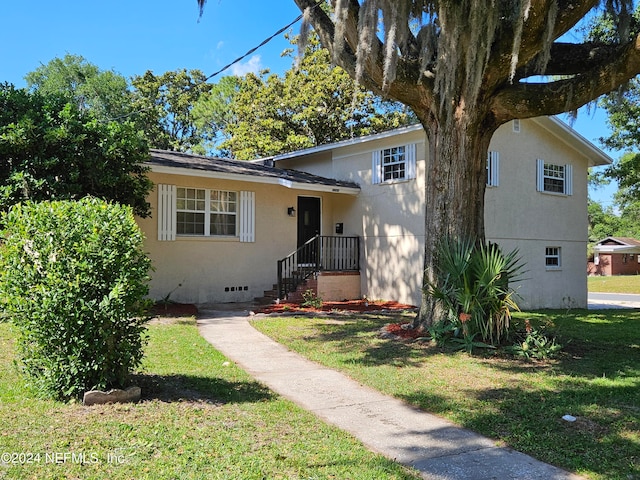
{"x":173,"y":309}
{"x":346,"y":306}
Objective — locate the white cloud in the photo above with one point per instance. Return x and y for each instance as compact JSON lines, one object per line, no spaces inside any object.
{"x":220,"y":45}
{"x":253,"y":65}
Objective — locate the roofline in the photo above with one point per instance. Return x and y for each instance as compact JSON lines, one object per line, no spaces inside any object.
{"x":621,"y":241}
{"x":312,"y":187}
{"x":346,"y":143}
{"x":617,"y":248}
{"x":596,"y":155}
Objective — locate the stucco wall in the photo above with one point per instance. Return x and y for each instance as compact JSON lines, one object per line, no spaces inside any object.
{"x":517,"y":216}
{"x":390,"y":217}
{"x":212,"y":270}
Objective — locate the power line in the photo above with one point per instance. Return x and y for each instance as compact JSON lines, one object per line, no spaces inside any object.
{"x":263,"y":43}
{"x":237,"y":60}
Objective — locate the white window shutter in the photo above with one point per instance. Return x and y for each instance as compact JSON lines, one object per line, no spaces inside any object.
{"x":247,"y":216}
{"x":166,"y":212}
{"x":493,"y":169}
{"x":568,"y":179}
{"x":411,"y":161}
{"x":376,"y":168}
{"x":540,"y":175}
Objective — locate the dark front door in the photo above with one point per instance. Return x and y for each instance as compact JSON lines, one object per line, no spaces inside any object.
{"x":308,"y":225}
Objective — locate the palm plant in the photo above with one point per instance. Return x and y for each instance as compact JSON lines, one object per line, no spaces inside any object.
{"x":472,"y":287}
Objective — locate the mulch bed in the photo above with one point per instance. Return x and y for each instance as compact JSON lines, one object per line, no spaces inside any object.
{"x":403,"y":331}
{"x":346,"y":306}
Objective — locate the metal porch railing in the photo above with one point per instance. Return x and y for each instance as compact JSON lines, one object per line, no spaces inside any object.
{"x":320,"y":253}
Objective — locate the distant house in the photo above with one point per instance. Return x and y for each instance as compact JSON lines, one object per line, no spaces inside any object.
{"x":349,"y":217}
{"x":616,"y":256}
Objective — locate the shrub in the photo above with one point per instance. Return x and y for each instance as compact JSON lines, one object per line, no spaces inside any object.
{"x":534,"y":343}
{"x":74,"y":278}
{"x":472,"y":286}
{"x":310,"y":299}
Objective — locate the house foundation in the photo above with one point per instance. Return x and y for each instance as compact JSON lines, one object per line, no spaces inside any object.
{"x":338,"y":286}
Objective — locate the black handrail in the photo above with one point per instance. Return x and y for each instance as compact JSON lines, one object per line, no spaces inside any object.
{"x":318,"y":253}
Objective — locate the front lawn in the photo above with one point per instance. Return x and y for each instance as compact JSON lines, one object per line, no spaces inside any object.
{"x":200,"y":418}
{"x":521,"y":403}
{"x":615,"y":284}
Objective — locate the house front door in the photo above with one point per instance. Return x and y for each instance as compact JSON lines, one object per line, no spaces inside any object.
{"x":308,"y":225}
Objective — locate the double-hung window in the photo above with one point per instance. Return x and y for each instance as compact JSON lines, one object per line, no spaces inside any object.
{"x":394,"y":164}
{"x":184,"y":211}
{"x":554,"y":178}
{"x":552,"y":258}
{"x":206,"y":212}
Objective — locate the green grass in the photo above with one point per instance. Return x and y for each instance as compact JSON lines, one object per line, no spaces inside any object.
{"x":520,"y":403}
{"x":615,"y":284}
{"x":200,"y":418}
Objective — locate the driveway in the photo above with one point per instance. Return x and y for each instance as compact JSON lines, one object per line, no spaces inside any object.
{"x":613,"y":300}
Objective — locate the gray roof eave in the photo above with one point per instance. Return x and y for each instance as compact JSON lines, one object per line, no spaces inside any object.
{"x":337,"y":187}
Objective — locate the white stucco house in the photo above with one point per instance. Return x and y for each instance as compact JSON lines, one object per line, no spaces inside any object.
{"x":223,"y":230}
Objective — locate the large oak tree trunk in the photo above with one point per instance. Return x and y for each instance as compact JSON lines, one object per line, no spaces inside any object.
{"x":454,"y":191}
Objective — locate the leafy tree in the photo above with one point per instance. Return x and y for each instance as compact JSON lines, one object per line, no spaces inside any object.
{"x":105,"y":93}
{"x":50,"y":149}
{"x":212,"y":114}
{"x":603,"y":222}
{"x":465,"y":68}
{"x":163,"y":106}
{"x":314,"y":103}
{"x":609,"y":222}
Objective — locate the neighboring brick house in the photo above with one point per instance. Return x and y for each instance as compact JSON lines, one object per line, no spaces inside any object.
{"x":616,"y":256}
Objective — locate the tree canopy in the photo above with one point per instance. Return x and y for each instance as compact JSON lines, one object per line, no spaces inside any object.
{"x":105,"y":93}
{"x":313,"y":103}
{"x":162,"y":107}
{"x":50,"y":149}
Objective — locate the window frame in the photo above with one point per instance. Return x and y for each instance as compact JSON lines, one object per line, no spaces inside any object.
{"x":208,"y":212}
{"x":544,"y":174}
{"x":394,"y":158}
{"x":407,"y":163}
{"x":553,"y":253}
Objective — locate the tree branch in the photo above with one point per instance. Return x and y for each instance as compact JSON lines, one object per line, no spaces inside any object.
{"x":569,"y":13}
{"x":572,"y":59}
{"x":526,"y":100}
{"x":404,"y":89}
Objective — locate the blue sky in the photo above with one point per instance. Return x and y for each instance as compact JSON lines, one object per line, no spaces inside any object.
{"x":138,"y":35}
{"x":134,"y":36}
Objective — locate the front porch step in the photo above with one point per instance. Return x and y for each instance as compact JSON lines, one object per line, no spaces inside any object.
{"x":271,"y":296}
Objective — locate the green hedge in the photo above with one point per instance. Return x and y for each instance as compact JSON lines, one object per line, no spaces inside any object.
{"x":73,"y":279}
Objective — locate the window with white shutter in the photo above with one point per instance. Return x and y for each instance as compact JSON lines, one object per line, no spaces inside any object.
{"x":394,"y":164}
{"x":184,"y":211}
{"x":552,"y":178}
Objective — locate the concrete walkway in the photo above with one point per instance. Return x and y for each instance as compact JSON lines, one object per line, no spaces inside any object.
{"x":437,"y":448}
